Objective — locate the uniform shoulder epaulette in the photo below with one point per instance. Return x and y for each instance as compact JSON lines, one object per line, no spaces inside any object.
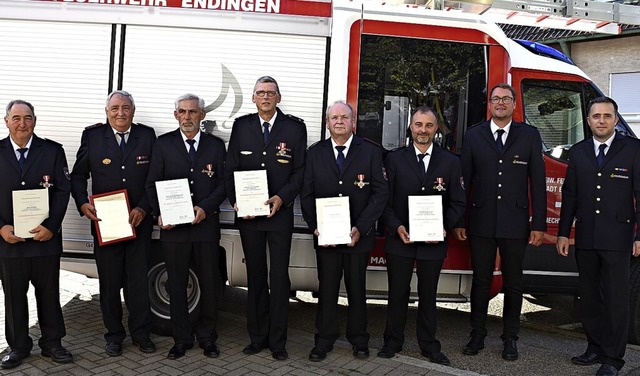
{"x":244,"y":116}
{"x":314,"y":144}
{"x":295,"y":118}
{"x":53,"y":142}
{"x":213,"y":136}
{"x":144,"y":125}
{"x":96,"y":125}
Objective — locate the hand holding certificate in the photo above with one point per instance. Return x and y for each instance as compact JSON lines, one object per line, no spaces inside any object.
{"x":334,"y":220}
{"x":174,"y":198}
{"x":252,"y":191}
{"x":30,"y":208}
{"x":425,"y":219}
{"x":113,"y":210}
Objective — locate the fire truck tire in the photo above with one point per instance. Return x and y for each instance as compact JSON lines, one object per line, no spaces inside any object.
{"x":634,"y":302}
{"x":159,"y":296}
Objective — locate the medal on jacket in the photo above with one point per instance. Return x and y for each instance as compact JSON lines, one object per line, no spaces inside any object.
{"x":208,"y":170}
{"x":360,"y":183}
{"x":45,"y":183}
{"x":440,"y":184}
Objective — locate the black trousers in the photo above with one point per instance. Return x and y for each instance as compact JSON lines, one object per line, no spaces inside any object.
{"x":483,"y":257}
{"x":331,"y":265}
{"x":604,"y":301}
{"x":44,"y":274}
{"x":268,"y":286}
{"x":125,"y":266}
{"x":205,"y":256}
{"x":399,"y":274}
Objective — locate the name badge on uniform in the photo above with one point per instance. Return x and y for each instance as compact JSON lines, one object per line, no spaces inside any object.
{"x":142,"y":159}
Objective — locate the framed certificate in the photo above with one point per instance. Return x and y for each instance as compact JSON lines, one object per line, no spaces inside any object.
{"x":112,"y":208}
{"x":425,"y":219}
{"x":30,"y":208}
{"x":334,"y":220}
{"x":252,"y":191}
{"x":174,"y":198}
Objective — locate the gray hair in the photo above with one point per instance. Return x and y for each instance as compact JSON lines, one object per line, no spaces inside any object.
{"x":326,"y":113}
{"x":189,"y":97}
{"x":122,"y":93}
{"x":20,"y":101}
{"x":267,"y":79}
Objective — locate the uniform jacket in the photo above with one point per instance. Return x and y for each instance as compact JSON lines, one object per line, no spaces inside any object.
{"x":443,"y":178}
{"x":170,"y":160}
{"x":283,"y":158}
{"x":499,"y":185}
{"x":366,"y":201}
{"x":45,"y":161}
{"x":602,"y":199}
{"x":100,"y":158}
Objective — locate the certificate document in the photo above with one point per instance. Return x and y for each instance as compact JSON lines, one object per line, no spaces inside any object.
{"x":112,"y":208}
{"x":334,"y":220}
{"x":30,"y":208}
{"x":425,"y":218}
{"x":252,"y":191}
{"x":174,"y":198}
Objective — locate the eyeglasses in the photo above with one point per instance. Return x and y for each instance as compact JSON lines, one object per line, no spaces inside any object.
{"x":505,"y":100}
{"x":263,"y":94}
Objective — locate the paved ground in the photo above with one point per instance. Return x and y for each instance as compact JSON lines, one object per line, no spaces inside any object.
{"x":79,"y":297}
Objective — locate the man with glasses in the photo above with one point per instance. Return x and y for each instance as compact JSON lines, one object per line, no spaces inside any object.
{"x":116,"y":155}
{"x":504,"y":174}
{"x":272,"y":141}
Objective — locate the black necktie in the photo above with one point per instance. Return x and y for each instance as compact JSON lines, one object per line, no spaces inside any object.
{"x":122,"y":141}
{"x":265,"y":134}
{"x":600,"y":156}
{"x":421,"y":165}
{"x":192,"y":150}
{"x":340,"y":159}
{"x":499,"y":143}
{"x":22,"y":158}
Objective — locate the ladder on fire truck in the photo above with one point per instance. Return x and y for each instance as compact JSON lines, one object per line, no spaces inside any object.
{"x":582,"y":15}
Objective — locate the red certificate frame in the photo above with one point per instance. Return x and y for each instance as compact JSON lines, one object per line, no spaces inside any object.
{"x":113,"y":207}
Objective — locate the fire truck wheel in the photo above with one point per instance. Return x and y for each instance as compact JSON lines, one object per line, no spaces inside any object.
{"x":159,"y":296}
{"x":634,"y":302}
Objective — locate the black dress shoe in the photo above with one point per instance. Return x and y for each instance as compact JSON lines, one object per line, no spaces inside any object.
{"x":253,"y":348}
{"x":210,"y":349}
{"x":145,"y":345}
{"x":474,"y":346}
{"x":437,"y":357}
{"x":361,"y":351}
{"x":113,"y":348}
{"x":319,"y":353}
{"x":58,"y":355}
{"x":386,"y":352}
{"x":13,"y":359}
{"x":178,"y":350}
{"x":607,"y":370}
{"x":586,"y":359}
{"x":280,"y":355}
{"x":510,"y":350}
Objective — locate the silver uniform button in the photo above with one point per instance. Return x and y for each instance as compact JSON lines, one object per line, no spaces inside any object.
{"x":340,"y":182}
{"x":22,"y":183}
{"x":262,"y":164}
{"x":598,"y":199}
{"x":500,"y":161}
{"x":500,"y":173}
{"x":499,"y":185}
{"x":423,"y":188}
{"x":264,"y":153}
{"x":123,"y":167}
{"x":191,"y":182}
{"x":597,"y":211}
{"x":339,"y":194}
{"x":499,"y":197}
{"x":599,"y":173}
{"x":124,"y":179}
{"x":597,"y":186}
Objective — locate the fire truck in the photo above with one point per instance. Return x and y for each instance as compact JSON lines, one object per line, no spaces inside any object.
{"x":384,"y":59}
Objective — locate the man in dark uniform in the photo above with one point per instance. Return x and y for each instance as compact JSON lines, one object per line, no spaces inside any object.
{"x":502,"y":167}
{"x":188,"y":153}
{"x":268,"y":140}
{"x":30,"y":162}
{"x":344,"y":165}
{"x":601,"y":192}
{"x":116,"y":156}
{"x":418,"y":170}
